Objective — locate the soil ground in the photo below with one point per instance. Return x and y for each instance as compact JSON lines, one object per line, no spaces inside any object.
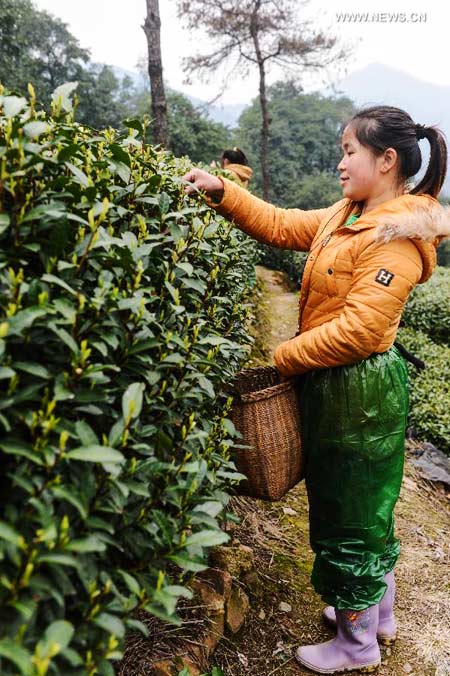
{"x":278,"y":535}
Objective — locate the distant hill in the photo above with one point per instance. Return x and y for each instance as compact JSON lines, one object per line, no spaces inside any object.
{"x":379,"y":84}
{"x":227,"y":114}
{"x":376,"y":83}
{"x":137,"y":78}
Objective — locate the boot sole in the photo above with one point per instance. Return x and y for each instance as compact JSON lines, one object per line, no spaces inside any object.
{"x":362,"y":668}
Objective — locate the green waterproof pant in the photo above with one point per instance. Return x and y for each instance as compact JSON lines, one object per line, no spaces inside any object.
{"x":354,"y":422}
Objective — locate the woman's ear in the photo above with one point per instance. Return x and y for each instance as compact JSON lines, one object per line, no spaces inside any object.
{"x":389,"y":160}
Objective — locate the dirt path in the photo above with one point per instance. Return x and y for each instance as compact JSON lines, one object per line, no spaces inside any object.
{"x":278,"y":534}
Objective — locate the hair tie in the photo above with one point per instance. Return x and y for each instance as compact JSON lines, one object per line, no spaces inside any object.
{"x":235,"y":149}
{"x":420,"y":131}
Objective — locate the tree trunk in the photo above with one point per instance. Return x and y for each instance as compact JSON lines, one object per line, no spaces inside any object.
{"x":264,"y":147}
{"x":264,"y":132}
{"x":152,"y":30}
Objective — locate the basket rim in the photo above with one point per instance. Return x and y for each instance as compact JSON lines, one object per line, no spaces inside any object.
{"x":252,"y":369}
{"x":265,"y":393}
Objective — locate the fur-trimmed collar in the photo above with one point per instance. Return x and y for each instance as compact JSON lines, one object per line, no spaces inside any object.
{"x":413,"y":217}
{"x":407,"y":217}
{"x":420,"y":218}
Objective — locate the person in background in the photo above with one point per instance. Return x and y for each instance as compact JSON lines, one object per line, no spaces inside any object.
{"x":367,"y":252}
{"x":236,"y":162}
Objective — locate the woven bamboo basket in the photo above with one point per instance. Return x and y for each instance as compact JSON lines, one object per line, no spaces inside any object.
{"x":266,"y":412}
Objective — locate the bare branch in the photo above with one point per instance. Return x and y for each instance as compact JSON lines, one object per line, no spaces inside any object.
{"x":260,"y":33}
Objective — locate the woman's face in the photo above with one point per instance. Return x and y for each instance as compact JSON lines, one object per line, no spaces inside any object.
{"x":359,"y":168}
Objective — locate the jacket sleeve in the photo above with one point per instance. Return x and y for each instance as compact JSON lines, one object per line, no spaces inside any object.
{"x":383,"y":277}
{"x":281,"y":228}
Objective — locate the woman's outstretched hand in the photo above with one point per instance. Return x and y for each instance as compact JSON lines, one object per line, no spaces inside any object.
{"x":201,"y":180}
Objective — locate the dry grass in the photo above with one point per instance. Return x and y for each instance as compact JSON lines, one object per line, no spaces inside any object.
{"x":163,"y":642}
{"x":423,"y":525}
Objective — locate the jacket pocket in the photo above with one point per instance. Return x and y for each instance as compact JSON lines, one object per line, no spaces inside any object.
{"x":330,"y":279}
{"x":338,"y":275}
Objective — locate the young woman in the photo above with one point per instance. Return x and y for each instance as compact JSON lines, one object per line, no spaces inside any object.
{"x":235,"y":161}
{"x":367,"y":252}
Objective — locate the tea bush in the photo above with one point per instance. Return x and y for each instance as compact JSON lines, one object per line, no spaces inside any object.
{"x":428,"y":307}
{"x":429,"y":389}
{"x":427,"y":334}
{"x":123,"y":308}
{"x":443,"y":254}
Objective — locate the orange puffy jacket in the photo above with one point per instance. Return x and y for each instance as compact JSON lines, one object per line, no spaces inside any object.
{"x":242,"y":172}
{"x":357,"y":277}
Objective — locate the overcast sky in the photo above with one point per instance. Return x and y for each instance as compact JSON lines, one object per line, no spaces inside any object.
{"x":414,"y":43}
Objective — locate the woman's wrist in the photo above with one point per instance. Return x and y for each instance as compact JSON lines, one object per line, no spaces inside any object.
{"x":216,"y":196}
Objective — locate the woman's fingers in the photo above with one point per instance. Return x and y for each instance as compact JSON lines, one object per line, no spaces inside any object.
{"x":190,"y":177}
{"x":201,"y":180}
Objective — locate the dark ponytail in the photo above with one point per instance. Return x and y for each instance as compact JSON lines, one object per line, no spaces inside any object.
{"x":434,"y":178}
{"x":235,"y":156}
{"x":382,"y":127}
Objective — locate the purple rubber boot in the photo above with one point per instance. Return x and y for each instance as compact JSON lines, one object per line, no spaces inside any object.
{"x":355,"y":647}
{"x":387,"y":627}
